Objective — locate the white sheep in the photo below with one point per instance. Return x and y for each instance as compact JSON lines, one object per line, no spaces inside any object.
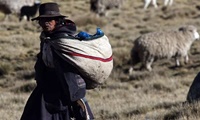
{"x":101,"y":6}
{"x":154,"y":3}
{"x":163,"y":44}
{"x":13,"y":6}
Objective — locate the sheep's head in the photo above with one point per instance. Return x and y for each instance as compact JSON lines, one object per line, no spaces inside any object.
{"x":191,"y":30}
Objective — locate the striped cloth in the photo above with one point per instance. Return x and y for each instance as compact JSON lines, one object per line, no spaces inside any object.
{"x":93,"y":58}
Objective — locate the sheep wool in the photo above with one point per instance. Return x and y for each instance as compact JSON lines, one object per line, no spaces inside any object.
{"x":13,"y":6}
{"x":154,"y":3}
{"x":101,"y":6}
{"x":163,"y":44}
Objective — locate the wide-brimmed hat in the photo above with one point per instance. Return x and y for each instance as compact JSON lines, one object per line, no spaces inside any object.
{"x":49,"y":9}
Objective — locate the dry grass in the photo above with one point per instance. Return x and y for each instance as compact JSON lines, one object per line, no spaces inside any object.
{"x":142,"y":95}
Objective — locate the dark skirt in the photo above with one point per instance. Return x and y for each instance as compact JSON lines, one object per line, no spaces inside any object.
{"x":50,"y":101}
{"x":38,"y":109}
{"x":56,"y":94}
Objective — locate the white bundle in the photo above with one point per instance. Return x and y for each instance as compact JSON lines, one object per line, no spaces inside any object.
{"x":93,"y":58}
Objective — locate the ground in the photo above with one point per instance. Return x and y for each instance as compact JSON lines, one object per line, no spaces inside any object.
{"x":156,"y":95}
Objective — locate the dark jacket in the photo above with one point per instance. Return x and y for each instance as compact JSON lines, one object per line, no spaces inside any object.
{"x":57,"y":89}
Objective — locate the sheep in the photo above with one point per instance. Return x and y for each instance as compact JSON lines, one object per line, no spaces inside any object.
{"x":13,"y":6}
{"x":154,"y":3}
{"x":29,"y":11}
{"x":168,"y":2}
{"x":101,"y":6}
{"x":164,"y":44}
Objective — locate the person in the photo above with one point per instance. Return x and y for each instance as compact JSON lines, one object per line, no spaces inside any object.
{"x":60,"y":91}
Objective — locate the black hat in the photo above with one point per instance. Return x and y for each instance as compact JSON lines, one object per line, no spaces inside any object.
{"x":49,"y":9}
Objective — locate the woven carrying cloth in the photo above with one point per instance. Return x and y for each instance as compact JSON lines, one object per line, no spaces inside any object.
{"x":93,"y":58}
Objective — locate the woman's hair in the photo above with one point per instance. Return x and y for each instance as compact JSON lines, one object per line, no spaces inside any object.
{"x":60,"y":20}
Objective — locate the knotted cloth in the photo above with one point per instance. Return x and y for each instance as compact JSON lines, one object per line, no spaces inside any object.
{"x":93,"y":58}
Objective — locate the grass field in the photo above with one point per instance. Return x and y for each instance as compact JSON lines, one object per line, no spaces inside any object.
{"x":156,"y":95}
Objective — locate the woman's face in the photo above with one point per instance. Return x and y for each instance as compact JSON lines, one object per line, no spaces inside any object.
{"x":47,"y":24}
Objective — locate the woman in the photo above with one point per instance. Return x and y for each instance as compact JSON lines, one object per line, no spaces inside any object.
{"x":60,"y":90}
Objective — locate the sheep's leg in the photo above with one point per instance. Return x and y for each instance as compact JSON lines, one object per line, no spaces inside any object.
{"x":28,"y":18}
{"x":135,"y":58}
{"x":166,"y":2}
{"x":186,"y":59}
{"x":130,"y":70}
{"x":149,"y":63}
{"x":170,"y":2}
{"x":177,"y":61}
{"x":147,"y":2}
{"x":154,"y":3}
